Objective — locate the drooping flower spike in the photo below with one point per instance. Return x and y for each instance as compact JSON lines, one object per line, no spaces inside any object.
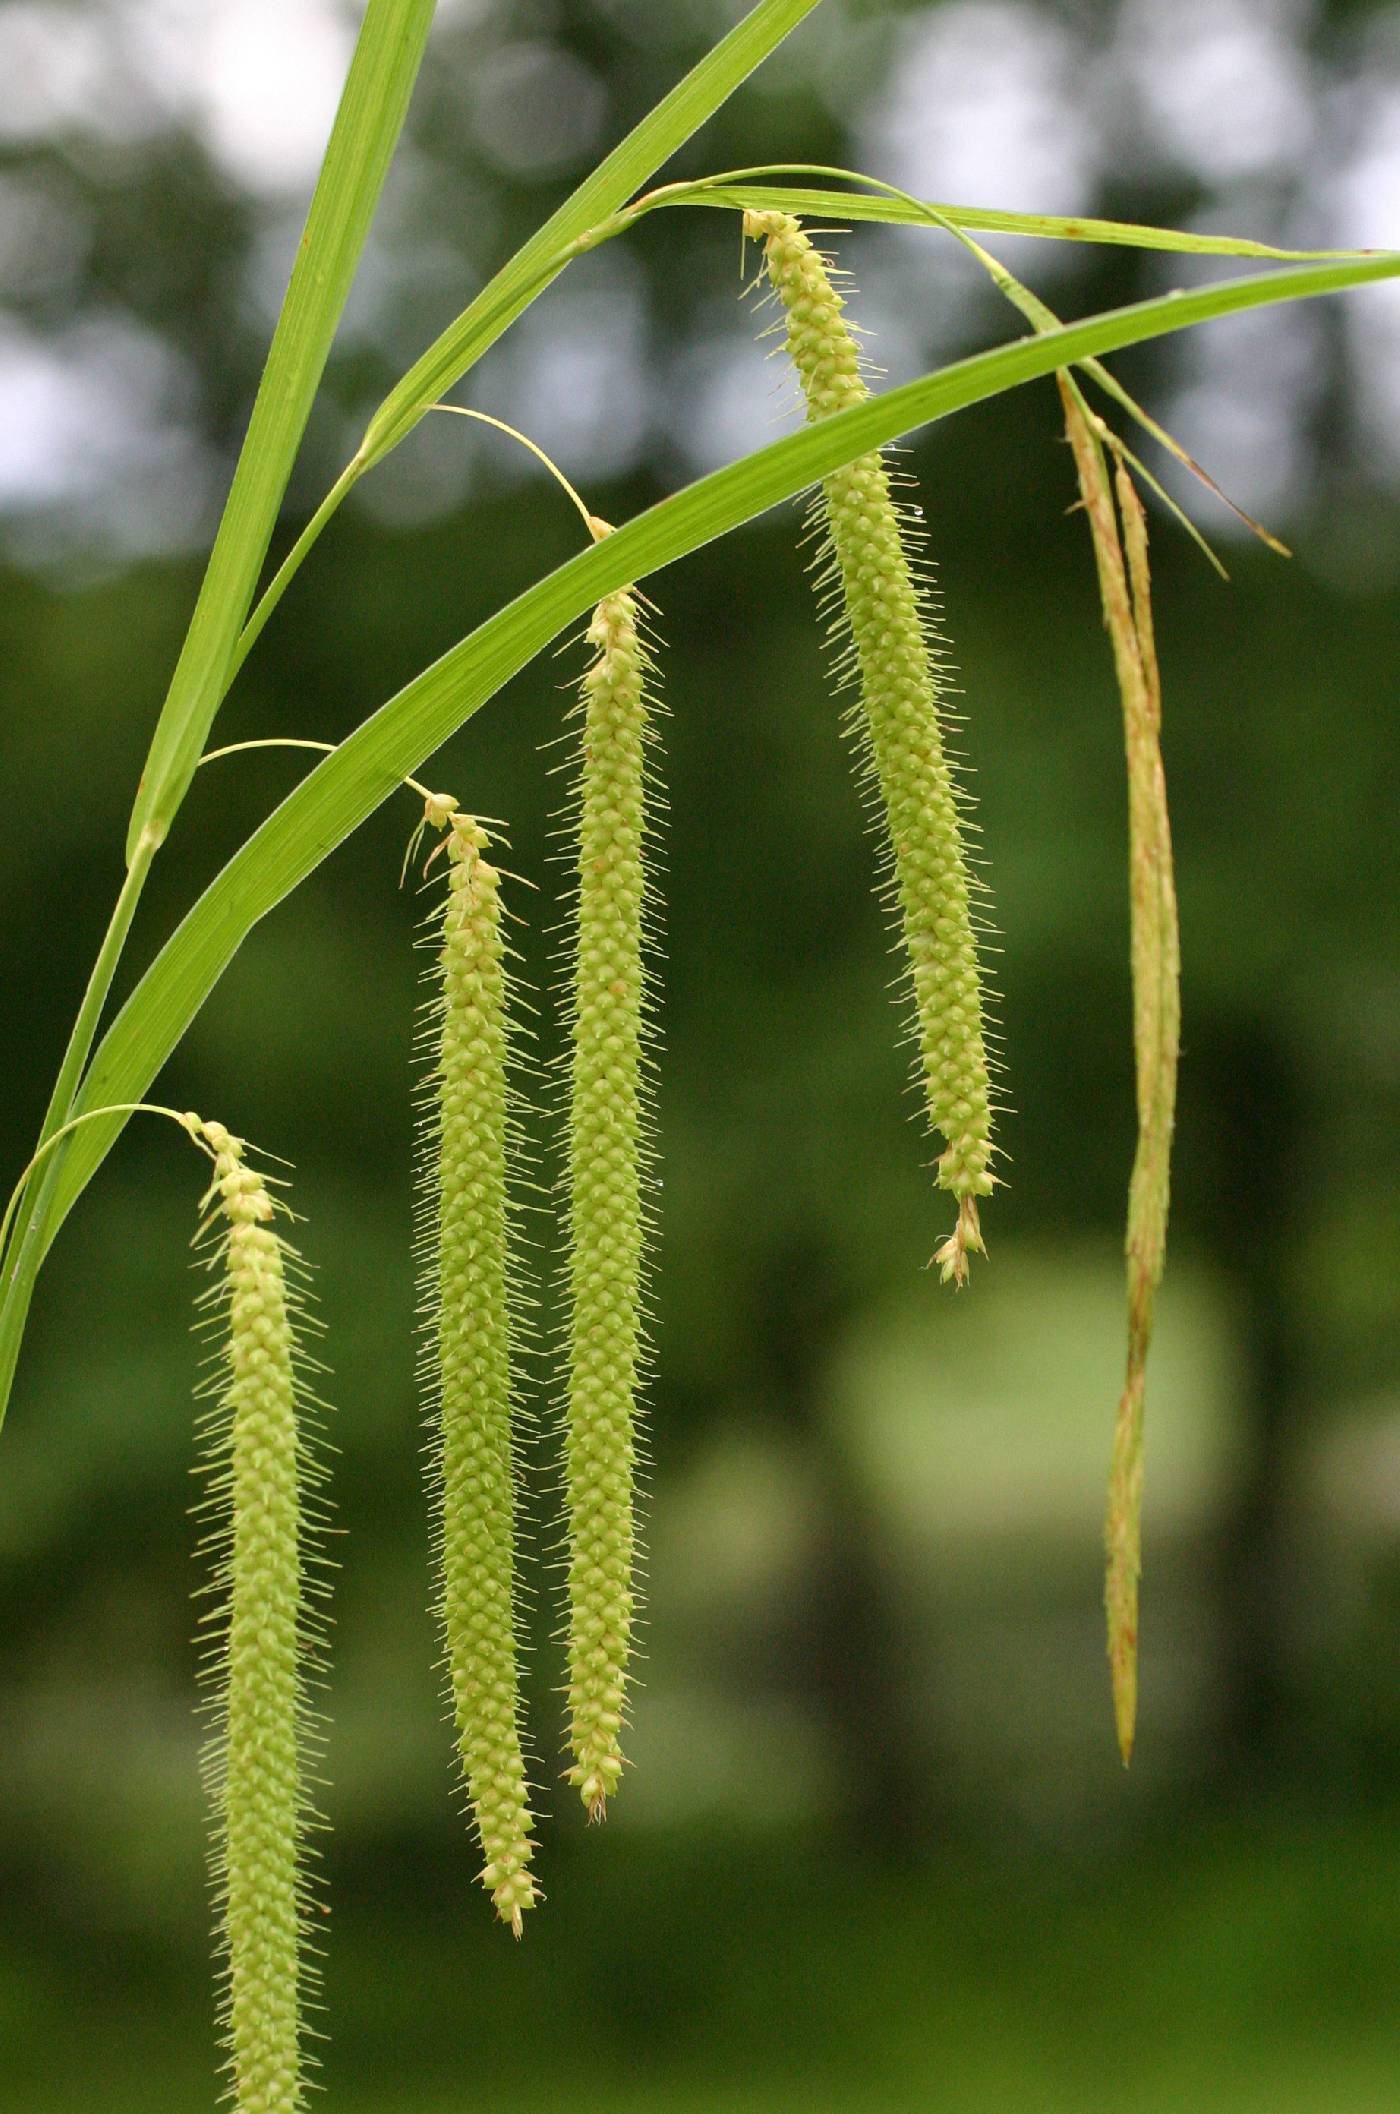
{"x":472,"y":1302}
{"x":608,"y":1153}
{"x":265,"y":1634}
{"x":263,"y":1638}
{"x":874,"y":579}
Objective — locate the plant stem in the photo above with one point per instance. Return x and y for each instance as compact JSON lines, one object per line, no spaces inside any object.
{"x":282,"y":578}
{"x":188,"y":1122}
{"x":19,"y":1265}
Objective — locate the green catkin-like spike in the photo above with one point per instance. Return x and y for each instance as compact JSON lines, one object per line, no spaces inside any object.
{"x":606,"y":1163}
{"x":1125,"y":590}
{"x":469,"y":1310}
{"x":263,"y":1483}
{"x":882,"y":600}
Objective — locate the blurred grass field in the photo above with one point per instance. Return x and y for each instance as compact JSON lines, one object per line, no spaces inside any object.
{"x":1251,"y":1972}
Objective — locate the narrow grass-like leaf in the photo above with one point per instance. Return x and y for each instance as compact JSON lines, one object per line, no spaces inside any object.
{"x":573,"y":227}
{"x":1041,"y":317}
{"x":366,"y":129}
{"x":367,"y":124}
{"x":219,"y":639}
{"x":395,"y":740}
{"x":827,"y":206}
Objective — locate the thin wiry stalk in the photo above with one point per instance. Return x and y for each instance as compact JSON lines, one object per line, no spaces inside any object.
{"x":265,"y":1636}
{"x":1125,"y":590}
{"x":875,"y":587}
{"x":610,"y":1001}
{"x":472,"y":1311}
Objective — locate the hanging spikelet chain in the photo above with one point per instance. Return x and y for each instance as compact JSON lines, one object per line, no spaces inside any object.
{"x":608,"y":1152}
{"x":265,"y":1633}
{"x":874,"y":578}
{"x":473,"y":1324}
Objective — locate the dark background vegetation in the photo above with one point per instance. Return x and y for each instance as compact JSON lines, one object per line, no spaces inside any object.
{"x":877,"y":1850}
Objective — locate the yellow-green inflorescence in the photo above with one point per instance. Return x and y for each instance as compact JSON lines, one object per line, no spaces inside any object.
{"x":265,"y":1636}
{"x":1125,"y":587}
{"x":608,"y":1154}
{"x":877,"y":576}
{"x":473,"y":1329}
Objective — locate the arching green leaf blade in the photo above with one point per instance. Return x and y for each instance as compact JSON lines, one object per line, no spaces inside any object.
{"x":366,"y":129}
{"x":838,"y":206}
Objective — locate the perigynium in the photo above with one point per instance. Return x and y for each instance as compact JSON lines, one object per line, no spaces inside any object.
{"x":874,"y":579}
{"x":471,"y":1307}
{"x":607,"y":1158}
{"x":264,"y":1634}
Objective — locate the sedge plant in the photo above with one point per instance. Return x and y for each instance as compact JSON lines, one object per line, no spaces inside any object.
{"x":875,"y":581}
